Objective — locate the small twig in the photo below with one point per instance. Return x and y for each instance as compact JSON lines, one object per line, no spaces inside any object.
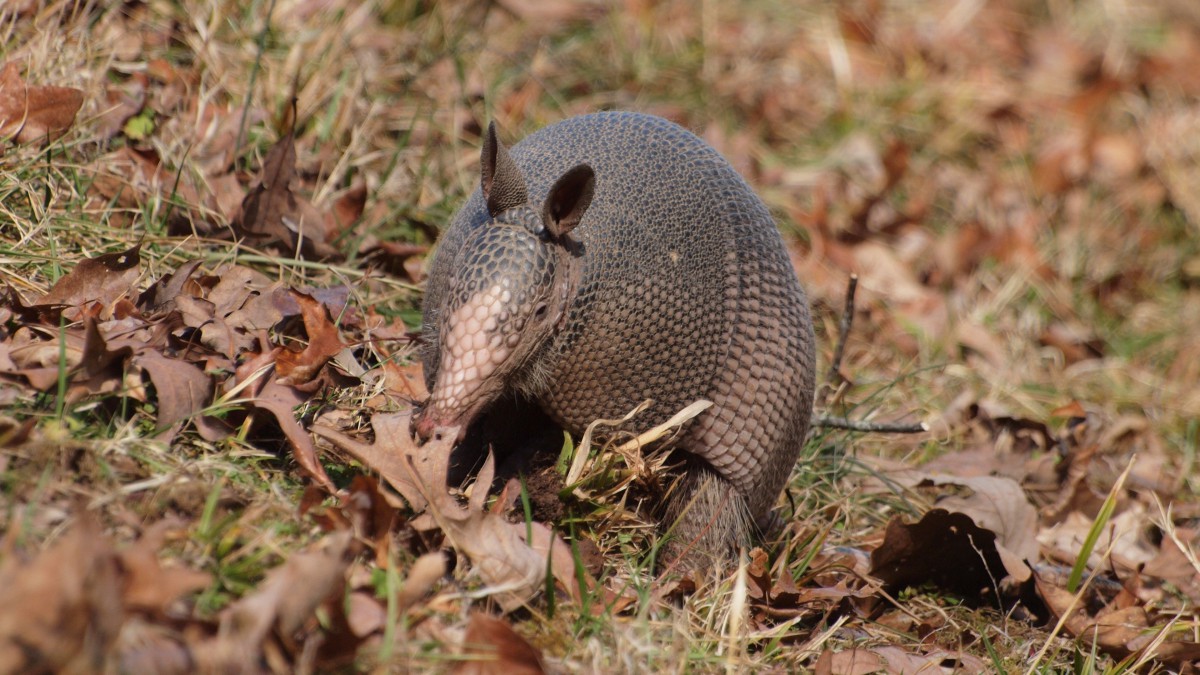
{"x":859,"y":425}
{"x":834,"y":378}
{"x":839,"y":351}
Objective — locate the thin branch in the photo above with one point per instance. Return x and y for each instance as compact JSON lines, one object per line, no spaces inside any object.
{"x":839,"y":351}
{"x":830,"y":422}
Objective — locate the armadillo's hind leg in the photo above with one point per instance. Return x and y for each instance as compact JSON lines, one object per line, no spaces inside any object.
{"x":706,"y":522}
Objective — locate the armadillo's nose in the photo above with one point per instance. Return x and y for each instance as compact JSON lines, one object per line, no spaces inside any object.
{"x":428,"y":424}
{"x":423,"y":425}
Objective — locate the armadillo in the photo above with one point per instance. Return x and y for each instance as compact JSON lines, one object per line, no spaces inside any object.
{"x":616,"y":257}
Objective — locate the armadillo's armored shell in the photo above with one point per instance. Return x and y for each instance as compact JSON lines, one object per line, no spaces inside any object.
{"x":686,"y":292}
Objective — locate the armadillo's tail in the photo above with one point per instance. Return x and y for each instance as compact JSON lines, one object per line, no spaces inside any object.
{"x":706,"y":522}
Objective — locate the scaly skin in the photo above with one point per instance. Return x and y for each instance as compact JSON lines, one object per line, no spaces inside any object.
{"x":674,"y":286}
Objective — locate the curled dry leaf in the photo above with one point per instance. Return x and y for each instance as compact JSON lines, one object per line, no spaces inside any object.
{"x":63,"y":610}
{"x":1117,"y":631}
{"x":160,"y":296}
{"x":34,"y":113}
{"x":302,"y":445}
{"x":323,"y":343}
{"x":421,"y":578}
{"x":150,"y":587}
{"x":1125,"y":538}
{"x":121,"y":102}
{"x":994,"y":503}
{"x":513,"y":567}
{"x":365,"y":614}
{"x":182,"y":388}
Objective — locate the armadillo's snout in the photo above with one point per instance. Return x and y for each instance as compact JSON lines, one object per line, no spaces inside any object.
{"x":427,"y":425}
{"x":472,"y":350}
{"x":423,"y":426}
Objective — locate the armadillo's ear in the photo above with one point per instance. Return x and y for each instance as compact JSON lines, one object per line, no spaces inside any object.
{"x":502,"y":183}
{"x":568,"y":199}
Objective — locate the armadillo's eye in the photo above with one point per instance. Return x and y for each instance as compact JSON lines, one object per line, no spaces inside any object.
{"x":540,"y":311}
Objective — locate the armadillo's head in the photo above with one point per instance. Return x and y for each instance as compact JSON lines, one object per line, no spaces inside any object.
{"x":509,"y":293}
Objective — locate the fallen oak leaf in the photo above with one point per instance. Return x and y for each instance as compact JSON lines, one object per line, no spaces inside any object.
{"x":995,"y":503}
{"x":150,"y":587}
{"x":386,"y":455}
{"x":34,"y":113}
{"x":161,"y":294}
{"x":302,"y":445}
{"x":422,"y":576}
{"x":1119,"y":632}
{"x":513,"y":567}
{"x":895,"y":661}
{"x":121,"y":102}
{"x":97,"y":359}
{"x":346,"y":210}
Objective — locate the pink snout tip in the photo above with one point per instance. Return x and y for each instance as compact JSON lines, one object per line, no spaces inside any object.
{"x":426,"y":425}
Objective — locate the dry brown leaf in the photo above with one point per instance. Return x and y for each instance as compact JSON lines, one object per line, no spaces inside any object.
{"x":160,"y":296}
{"x":424,"y":574}
{"x":281,"y":605}
{"x":492,"y":647}
{"x":400,"y":259}
{"x":324,"y":342}
{"x":346,"y":211}
{"x":150,"y":587}
{"x":514,"y":569}
{"x":1118,"y":632}
{"x":34,"y":113}
{"x":947,"y":549}
{"x":121,"y":103}
{"x":407,"y":380}
{"x":61,"y":611}
{"x":183,"y":389}
{"x":994,"y":503}
{"x":896,"y":661}
{"x":273,"y":215}
{"x":131,"y":177}
{"x":1173,"y":565}
{"x":104,"y":279}
{"x":365,"y":614}
{"x":302,"y":445}
{"x":1126,"y":534}
{"x":387,"y":455}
